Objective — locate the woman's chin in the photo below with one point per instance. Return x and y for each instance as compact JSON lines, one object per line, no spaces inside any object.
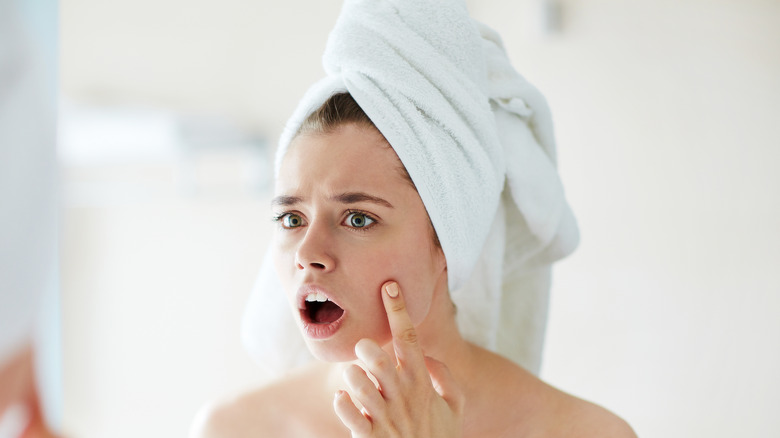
{"x":335,"y":341}
{"x":340,"y":349}
{"x":331,"y":351}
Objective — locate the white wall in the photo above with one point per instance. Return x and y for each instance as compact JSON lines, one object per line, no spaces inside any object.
{"x":666,"y":115}
{"x":667,"y":119}
{"x":153,"y":288}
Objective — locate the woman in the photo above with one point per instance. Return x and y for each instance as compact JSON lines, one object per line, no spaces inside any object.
{"x":400,"y":194}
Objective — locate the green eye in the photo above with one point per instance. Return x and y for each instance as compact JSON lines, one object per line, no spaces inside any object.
{"x":292,"y":221}
{"x":359,"y":220}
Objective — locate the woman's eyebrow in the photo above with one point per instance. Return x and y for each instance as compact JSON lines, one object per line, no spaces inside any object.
{"x":285,"y":200}
{"x":344,"y":198}
{"x":356,"y":197}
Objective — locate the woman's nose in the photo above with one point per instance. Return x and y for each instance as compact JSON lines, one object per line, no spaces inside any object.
{"x":314,"y":251}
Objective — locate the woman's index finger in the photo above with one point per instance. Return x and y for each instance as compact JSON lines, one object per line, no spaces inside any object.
{"x":405,"y":342}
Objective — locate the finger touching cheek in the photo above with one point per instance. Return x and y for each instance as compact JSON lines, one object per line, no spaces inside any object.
{"x":417,"y":299}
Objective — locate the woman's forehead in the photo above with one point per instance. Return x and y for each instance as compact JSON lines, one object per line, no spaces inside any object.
{"x":348,"y":159}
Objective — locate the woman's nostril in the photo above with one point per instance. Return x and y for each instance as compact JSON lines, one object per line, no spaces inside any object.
{"x":303,"y":265}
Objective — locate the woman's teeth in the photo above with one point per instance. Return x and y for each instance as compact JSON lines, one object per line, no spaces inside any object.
{"x":318,"y":297}
{"x":318,"y":309}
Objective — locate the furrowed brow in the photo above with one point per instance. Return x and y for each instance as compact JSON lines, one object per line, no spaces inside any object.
{"x":286,"y":201}
{"x":356,"y":197}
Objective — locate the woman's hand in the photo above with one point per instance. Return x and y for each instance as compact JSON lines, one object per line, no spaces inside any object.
{"x":18,"y":390}
{"x":416,"y":396}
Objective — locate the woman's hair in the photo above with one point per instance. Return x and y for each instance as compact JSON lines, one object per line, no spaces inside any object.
{"x":341,"y":109}
{"x":338,"y":110}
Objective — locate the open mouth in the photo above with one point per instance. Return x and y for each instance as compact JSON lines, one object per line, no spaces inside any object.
{"x":320,"y":310}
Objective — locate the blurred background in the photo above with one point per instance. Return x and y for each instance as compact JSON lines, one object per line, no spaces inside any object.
{"x":666,"y":117}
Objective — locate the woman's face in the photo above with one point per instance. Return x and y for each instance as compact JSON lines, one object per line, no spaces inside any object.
{"x":348,"y":222}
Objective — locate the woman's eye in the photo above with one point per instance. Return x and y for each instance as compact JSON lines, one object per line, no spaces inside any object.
{"x":291,"y":221}
{"x":359,"y":220}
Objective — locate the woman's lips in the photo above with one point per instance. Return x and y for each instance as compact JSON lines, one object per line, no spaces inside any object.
{"x":312,"y":328}
{"x":315,"y":330}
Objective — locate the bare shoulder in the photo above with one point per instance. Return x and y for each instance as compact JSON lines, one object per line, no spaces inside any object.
{"x":239,"y":416}
{"x":263,"y":411}
{"x":579,"y":418}
{"x":570,"y":416}
{"x":538,"y":409}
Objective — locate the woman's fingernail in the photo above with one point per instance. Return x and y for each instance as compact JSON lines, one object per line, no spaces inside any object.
{"x":339,"y":393}
{"x":392,"y":290}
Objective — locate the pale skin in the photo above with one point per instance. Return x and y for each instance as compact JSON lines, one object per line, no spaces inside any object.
{"x":397,"y":366}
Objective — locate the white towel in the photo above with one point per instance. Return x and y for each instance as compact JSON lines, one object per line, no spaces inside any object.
{"x":477,"y":141}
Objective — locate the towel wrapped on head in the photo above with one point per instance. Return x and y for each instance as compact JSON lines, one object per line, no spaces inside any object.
{"x":476,"y":139}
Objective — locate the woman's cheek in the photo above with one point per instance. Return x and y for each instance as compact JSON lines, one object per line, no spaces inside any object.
{"x":418,"y":302}
{"x":412,"y":277}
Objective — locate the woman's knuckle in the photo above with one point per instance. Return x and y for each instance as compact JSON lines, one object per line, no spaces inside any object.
{"x":363,"y":392}
{"x":398,"y":306}
{"x":382,"y":363}
{"x":409,"y":335}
